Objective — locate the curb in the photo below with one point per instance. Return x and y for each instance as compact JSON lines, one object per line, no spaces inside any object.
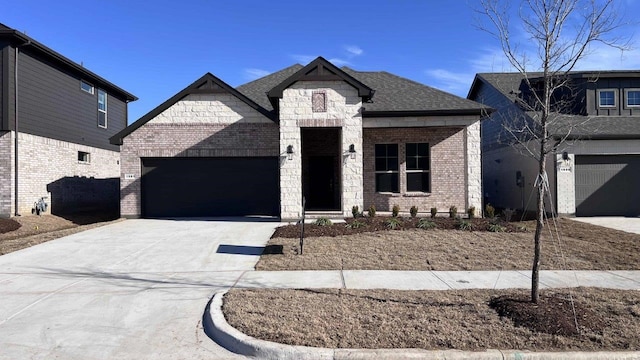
{"x":216,"y":326}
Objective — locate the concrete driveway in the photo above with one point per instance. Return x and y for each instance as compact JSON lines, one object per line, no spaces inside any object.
{"x":628,"y":224}
{"x":130,"y":290}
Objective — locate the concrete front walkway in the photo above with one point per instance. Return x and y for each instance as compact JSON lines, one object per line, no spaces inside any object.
{"x":628,"y":224}
{"x":136,"y":289}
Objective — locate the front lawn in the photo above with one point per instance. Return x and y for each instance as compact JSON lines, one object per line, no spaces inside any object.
{"x":583,"y":247}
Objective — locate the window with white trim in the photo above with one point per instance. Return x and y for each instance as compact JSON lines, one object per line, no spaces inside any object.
{"x":606,"y":98}
{"x":86,"y":87}
{"x":102,"y":109}
{"x":418,"y":168}
{"x":84,"y":157}
{"x":632,"y":97}
{"x":387,"y":168}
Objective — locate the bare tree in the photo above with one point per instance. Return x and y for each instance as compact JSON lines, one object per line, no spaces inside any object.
{"x":558,"y":34}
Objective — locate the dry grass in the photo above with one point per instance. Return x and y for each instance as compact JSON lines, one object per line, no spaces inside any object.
{"x":585,"y":247}
{"x":39,"y":229}
{"x":422,"y":319}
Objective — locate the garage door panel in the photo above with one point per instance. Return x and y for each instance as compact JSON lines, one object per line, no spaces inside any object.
{"x":195,"y":187}
{"x":607,"y":185}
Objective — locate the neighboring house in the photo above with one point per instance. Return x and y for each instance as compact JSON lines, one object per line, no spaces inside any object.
{"x":62,"y":116}
{"x":594,"y":172}
{"x":338,"y":137}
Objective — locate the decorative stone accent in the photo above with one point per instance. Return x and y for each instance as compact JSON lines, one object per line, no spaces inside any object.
{"x":319,"y":101}
{"x":566,"y":182}
{"x":296,"y":111}
{"x":474,"y":167}
{"x":6,"y":174}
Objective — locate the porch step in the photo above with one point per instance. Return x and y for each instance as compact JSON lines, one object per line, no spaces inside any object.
{"x":332,"y":215}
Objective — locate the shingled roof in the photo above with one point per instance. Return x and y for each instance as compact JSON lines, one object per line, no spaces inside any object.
{"x":393,"y":94}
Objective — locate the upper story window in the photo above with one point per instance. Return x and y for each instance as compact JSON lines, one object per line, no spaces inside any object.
{"x":418,"y":159}
{"x":606,"y":98}
{"x":85,"y":86}
{"x":102,"y":109}
{"x":387,"y":168}
{"x":633,"y":97}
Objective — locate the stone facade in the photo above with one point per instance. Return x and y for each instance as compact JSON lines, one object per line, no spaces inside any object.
{"x":202,"y":125}
{"x":474,"y":167}
{"x":50,"y":168}
{"x":343,"y":107}
{"x":448,"y":169}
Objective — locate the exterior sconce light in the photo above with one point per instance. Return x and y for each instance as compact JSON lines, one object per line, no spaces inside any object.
{"x":565,"y":156}
{"x":352,"y":151}
{"x":290,"y":152}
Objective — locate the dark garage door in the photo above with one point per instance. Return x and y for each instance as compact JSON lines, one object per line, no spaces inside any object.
{"x":607,"y":185}
{"x":197,"y":187}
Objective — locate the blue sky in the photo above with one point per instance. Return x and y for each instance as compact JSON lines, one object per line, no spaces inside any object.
{"x":154,"y":49}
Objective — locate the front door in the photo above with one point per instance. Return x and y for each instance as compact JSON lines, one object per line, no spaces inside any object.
{"x":321,"y":168}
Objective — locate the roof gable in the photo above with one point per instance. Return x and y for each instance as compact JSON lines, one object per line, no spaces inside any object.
{"x":207,"y":84}
{"x":319,"y":70}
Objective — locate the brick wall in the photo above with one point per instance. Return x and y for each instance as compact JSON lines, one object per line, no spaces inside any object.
{"x":342,"y":110}
{"x":203,"y":125}
{"x":6,"y":174}
{"x":448,"y":170}
{"x":51,"y":168}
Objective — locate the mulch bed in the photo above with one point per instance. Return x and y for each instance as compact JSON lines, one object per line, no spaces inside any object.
{"x":380,"y":223}
{"x":7,"y":225}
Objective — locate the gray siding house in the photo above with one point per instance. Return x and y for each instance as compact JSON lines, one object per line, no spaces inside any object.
{"x":56,"y":118}
{"x":594,"y":172}
{"x":336,"y":137}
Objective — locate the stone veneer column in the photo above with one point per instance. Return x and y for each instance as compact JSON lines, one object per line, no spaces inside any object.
{"x":343,"y":107}
{"x":474,"y":167}
{"x":6,"y":174}
{"x":566,"y":183}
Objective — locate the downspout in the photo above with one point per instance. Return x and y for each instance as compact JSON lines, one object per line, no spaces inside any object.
{"x":15,"y":109}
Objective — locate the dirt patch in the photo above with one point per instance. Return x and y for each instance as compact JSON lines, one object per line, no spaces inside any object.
{"x":35,"y":229}
{"x":583,"y":247}
{"x":461,"y":319}
{"x":7,"y":225}
{"x":381,"y":223}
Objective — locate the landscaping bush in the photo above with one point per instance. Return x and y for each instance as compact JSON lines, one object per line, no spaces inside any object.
{"x":493,"y":227}
{"x":453,"y":212}
{"x":508,"y":214}
{"x":356,"y":224}
{"x":413,"y":211}
{"x":395,"y":210}
{"x":355,"y":210}
{"x":465,"y":225}
{"x":393,"y":223}
{"x":323,"y":221}
{"x":372,"y":211}
{"x":426,"y":224}
{"x":434,"y":212}
{"x":471,"y":212}
{"x":489,"y":211}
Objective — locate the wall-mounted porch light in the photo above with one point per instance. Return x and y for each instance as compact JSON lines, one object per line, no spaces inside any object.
{"x":352,"y":151}
{"x":565,"y":156}
{"x":290,"y":152}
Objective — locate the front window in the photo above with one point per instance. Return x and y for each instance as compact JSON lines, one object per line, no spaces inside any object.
{"x":102,"y":109}
{"x":85,"y":86}
{"x":606,"y":98}
{"x":387,"y":168}
{"x":417,"y":158}
{"x":633,"y":98}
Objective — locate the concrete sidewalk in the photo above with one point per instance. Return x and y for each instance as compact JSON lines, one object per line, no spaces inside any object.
{"x":437,"y":280}
{"x":628,"y":224}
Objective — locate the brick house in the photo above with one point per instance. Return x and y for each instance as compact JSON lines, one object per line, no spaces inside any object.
{"x":594,"y":172}
{"x":335,"y":136}
{"x":56,"y":118}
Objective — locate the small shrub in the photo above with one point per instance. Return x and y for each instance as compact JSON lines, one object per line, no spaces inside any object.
{"x":434,"y":212}
{"x":490,"y":211}
{"x":426,"y":224}
{"x":496,"y":228}
{"x":413,"y":211}
{"x":508,"y":214}
{"x":393,"y":223}
{"x":372,"y":211}
{"x":323,"y":221}
{"x":453,"y":212}
{"x":356,"y":224}
{"x":355,"y":210}
{"x":395,"y":210}
{"x":471,"y":212}
{"x":465,"y":225}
